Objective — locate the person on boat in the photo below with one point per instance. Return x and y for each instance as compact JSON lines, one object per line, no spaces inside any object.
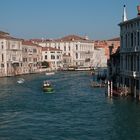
{"x":46,"y":83}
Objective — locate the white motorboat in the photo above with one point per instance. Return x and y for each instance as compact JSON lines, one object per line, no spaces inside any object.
{"x":50,"y":73}
{"x":83,"y":69}
{"x":20,"y":81}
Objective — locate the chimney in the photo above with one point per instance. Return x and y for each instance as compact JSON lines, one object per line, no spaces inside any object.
{"x":138,"y":8}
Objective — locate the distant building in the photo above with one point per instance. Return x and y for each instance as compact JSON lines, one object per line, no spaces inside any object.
{"x":10,"y":55}
{"x":106,"y":43}
{"x":102,"y":50}
{"x":32,"y":57}
{"x":53,"y":56}
{"x":100,"y":59}
{"x":76,"y":50}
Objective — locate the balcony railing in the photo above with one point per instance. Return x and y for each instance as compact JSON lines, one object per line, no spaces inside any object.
{"x":131,"y":49}
{"x":133,"y":74}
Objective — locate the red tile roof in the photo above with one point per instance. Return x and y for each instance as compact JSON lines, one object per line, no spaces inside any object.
{"x":39,"y":40}
{"x":29,"y":43}
{"x":114,"y":39}
{"x":9,"y":37}
{"x":3,"y":33}
{"x":72,"y":38}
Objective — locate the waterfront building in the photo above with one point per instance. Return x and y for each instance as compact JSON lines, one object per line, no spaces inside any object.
{"x":32,"y":57}
{"x":76,"y":50}
{"x":10,"y":55}
{"x":130,"y":54}
{"x":53,"y":56}
{"x":100,"y":59}
{"x":105,"y":43}
{"x":114,"y":71}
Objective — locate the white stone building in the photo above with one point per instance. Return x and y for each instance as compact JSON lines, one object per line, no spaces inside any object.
{"x":130,"y":54}
{"x":32,"y":57}
{"x":99,"y":59}
{"x":10,"y":55}
{"x":53,"y":56}
{"x":76,"y":51}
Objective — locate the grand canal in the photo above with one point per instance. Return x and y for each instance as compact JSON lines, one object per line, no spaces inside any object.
{"x":75,"y":111}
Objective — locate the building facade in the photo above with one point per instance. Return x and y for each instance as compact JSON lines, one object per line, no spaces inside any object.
{"x":32,"y":57}
{"x":10,"y":55}
{"x":53,"y":56}
{"x":76,"y":51}
{"x":106,"y":43}
{"x":130,"y":55}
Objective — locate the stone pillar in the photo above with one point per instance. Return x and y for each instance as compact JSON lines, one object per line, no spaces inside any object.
{"x":108,"y":88}
{"x":135,"y":88}
{"x":139,"y":90}
{"x":111,"y":88}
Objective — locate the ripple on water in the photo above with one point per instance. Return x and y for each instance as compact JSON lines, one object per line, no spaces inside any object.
{"x":74,"y":112}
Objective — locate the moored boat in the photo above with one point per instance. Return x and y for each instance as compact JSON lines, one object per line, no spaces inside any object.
{"x":20,"y":81}
{"x":97,"y":84}
{"x":83,"y":69}
{"x":50,"y":73}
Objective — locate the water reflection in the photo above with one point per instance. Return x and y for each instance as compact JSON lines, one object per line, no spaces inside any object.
{"x":74,"y":111}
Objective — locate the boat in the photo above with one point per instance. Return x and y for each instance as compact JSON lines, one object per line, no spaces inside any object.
{"x":50,"y":73}
{"x":20,"y":81}
{"x":98,"y":85}
{"x":83,"y":69}
{"x":47,"y":87}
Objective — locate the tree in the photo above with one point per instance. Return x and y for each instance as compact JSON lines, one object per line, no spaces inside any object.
{"x":45,"y":64}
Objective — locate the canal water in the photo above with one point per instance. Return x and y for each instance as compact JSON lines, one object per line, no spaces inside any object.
{"x":75,"y":111}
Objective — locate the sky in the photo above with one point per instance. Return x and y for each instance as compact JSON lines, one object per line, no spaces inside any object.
{"x":97,"y":19}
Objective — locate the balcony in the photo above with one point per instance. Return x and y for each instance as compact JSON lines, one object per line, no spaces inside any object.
{"x":133,"y":74}
{"x":131,"y":49}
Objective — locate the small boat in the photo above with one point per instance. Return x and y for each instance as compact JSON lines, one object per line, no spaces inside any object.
{"x":20,"y":81}
{"x":47,"y":87}
{"x":50,"y":73}
{"x":83,"y":69}
{"x":97,"y":84}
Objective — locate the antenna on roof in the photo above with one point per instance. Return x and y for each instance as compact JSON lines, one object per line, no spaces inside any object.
{"x":124,"y":17}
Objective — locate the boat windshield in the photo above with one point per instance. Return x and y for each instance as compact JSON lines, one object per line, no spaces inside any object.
{"x":47,"y":83}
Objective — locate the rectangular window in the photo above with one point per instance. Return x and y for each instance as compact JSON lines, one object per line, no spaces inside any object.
{"x":35,"y":59}
{"x":138,"y":38}
{"x":52,"y":57}
{"x":2,"y":57}
{"x":76,"y":47}
{"x":2,"y":46}
{"x":2,"y":65}
{"x":34,"y":50}
{"x":137,"y":84}
{"x":126,"y":40}
{"x":64,"y":48}
{"x":138,"y":63}
{"x":24,"y":59}
{"x":121,"y":41}
{"x":131,"y":39}
{"x":45,"y":56}
{"x":131,"y":63}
